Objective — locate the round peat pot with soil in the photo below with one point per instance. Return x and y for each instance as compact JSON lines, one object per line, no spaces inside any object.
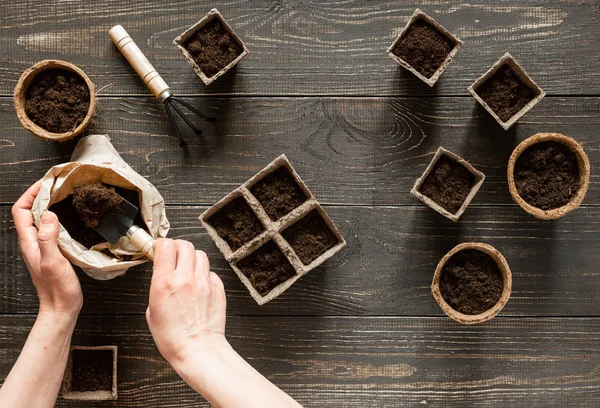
{"x":548,"y":175}
{"x":472,"y":283}
{"x":55,"y":100}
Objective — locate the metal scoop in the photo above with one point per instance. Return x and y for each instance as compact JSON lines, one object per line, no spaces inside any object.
{"x":155,"y":83}
{"x":115,"y":224}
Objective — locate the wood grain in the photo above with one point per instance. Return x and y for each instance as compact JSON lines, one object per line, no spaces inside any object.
{"x":349,"y":151}
{"x":364,"y":362}
{"x":386,"y":268}
{"x":300,"y":47}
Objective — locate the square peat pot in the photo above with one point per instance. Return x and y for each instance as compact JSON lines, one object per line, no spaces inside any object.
{"x":424,"y":47}
{"x":272,"y":230}
{"x":211,"y":47}
{"x":91,"y":374}
{"x":506,"y":91}
{"x":448,"y":185}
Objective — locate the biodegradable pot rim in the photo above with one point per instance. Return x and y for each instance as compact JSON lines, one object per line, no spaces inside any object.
{"x":584,"y":175}
{"x":20,"y":99}
{"x":181,"y":38}
{"x":508,"y":59}
{"x":479,"y":179}
{"x":418,"y":14}
{"x":491,"y":312}
{"x":99,"y":395}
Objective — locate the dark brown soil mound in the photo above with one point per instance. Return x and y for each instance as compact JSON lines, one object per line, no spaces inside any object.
{"x":448,"y":184}
{"x":423,"y":47}
{"x":57,"y":100}
{"x":236,"y":223}
{"x":92,"y":370}
{"x":213,"y":48}
{"x":86,"y":236}
{"x":278,"y":193}
{"x":505,"y":93}
{"x":266,"y":268}
{"x":310,"y":237}
{"x":547,"y":175}
{"x":471,"y":282}
{"x":92,"y":201}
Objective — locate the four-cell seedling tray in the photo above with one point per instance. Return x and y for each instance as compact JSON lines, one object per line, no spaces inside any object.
{"x":272,"y":230}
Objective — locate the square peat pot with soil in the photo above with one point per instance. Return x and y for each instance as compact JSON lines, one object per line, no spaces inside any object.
{"x":272,"y":230}
{"x":211,"y":47}
{"x":448,"y":184}
{"x":424,"y":47}
{"x":506,"y":91}
{"x":91,"y":374}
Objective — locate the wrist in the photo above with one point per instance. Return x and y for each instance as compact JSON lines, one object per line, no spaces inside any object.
{"x":198,"y":361}
{"x":58,"y":319}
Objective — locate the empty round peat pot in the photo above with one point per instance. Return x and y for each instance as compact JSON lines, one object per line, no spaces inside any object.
{"x":488,"y":313}
{"x":583,"y":181}
{"x":20,"y":97}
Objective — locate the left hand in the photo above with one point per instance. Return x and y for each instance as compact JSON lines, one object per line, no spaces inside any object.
{"x":53,"y":276}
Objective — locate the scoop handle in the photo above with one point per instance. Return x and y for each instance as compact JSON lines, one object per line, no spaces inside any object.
{"x":142,"y":240}
{"x":139,"y":62}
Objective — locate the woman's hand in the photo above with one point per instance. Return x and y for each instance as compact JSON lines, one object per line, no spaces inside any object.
{"x":53,"y":276}
{"x":186,"y":311}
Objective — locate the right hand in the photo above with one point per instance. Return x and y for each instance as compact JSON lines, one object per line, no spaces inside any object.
{"x":186,"y":310}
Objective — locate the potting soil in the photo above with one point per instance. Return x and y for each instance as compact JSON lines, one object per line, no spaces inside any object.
{"x":547,"y":175}
{"x":213,"y":48}
{"x":505,"y":93}
{"x":471,"y":282}
{"x":310,"y":237}
{"x":278,"y":193}
{"x":86,"y":236}
{"x":236,"y":223}
{"x":92,"y":201}
{"x":92,"y":370}
{"x":266,"y":268}
{"x":448,"y":184}
{"x":423,"y":47}
{"x":57,"y":100}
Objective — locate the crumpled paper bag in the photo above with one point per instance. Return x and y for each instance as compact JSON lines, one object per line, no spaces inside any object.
{"x":96,"y":160}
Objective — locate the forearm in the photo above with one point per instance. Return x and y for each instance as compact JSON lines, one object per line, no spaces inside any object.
{"x":226,"y":380}
{"x":35,"y":379}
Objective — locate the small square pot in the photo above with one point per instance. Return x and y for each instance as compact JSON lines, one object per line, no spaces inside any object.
{"x":181,"y":40}
{"x":419,"y":15}
{"x":70,"y":383}
{"x":508,"y":60}
{"x":479,"y":177}
{"x":285,"y":224}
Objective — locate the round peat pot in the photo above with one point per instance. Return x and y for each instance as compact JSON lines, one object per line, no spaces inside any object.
{"x":20,"y":97}
{"x":584,"y":175}
{"x":492,"y":311}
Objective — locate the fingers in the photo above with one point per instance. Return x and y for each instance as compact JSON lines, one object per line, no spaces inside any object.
{"x":202,"y":265}
{"x":165,"y":258}
{"x":186,"y":259}
{"x":21,"y":212}
{"x":47,"y":238}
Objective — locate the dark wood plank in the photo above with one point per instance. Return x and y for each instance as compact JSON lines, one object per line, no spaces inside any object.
{"x":385,"y":270}
{"x":364,"y":362}
{"x":308,"y":48}
{"x":366,"y":151}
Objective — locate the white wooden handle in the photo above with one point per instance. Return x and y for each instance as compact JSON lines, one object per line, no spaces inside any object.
{"x":139,"y":62}
{"x":142,"y":240}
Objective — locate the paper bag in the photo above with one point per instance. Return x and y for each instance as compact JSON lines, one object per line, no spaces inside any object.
{"x":96,"y":160}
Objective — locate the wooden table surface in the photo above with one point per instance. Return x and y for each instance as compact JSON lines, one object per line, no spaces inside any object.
{"x":362,"y":330}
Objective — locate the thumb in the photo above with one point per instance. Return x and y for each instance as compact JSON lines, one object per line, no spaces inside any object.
{"x":48,"y":236}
